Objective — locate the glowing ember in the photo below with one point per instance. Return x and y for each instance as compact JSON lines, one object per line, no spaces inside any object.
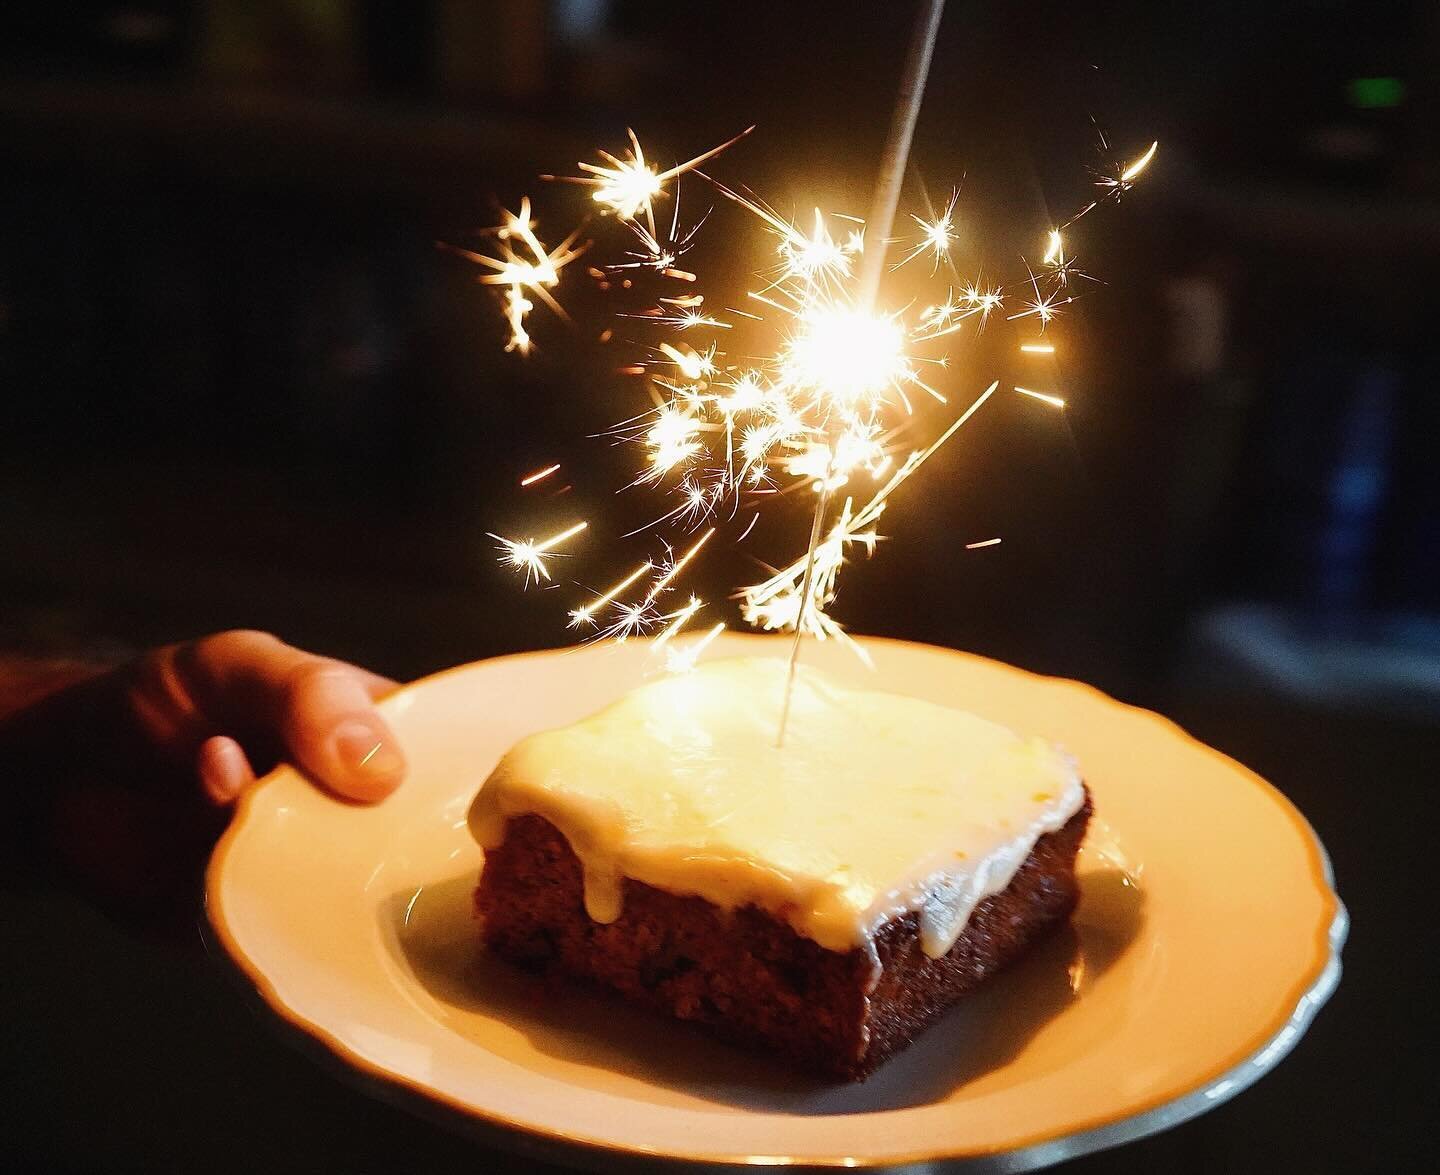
{"x":1053,"y":401}
{"x":529,"y":555}
{"x":534,"y":271}
{"x":628,"y":186}
{"x":936,"y":236}
{"x":1132,"y":173}
{"x":683,"y":660}
{"x":539,"y":475}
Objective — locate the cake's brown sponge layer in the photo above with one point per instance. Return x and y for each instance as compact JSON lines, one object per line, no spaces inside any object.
{"x":745,"y":975}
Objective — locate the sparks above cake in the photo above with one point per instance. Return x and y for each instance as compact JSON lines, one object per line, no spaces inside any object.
{"x":823,"y":900}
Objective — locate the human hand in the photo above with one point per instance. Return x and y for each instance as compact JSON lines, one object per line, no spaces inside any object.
{"x":123,"y":779}
{"x":226,"y":702}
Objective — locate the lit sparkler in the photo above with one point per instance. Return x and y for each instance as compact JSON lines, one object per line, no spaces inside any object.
{"x":815,"y":395}
{"x":812,"y":412}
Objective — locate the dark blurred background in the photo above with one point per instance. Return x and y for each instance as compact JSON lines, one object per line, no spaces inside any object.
{"x":239,"y":385}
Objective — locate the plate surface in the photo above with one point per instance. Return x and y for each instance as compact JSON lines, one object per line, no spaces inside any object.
{"x":1207,"y":936}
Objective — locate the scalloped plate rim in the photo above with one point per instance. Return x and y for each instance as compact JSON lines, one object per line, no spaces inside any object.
{"x":1309,"y":995}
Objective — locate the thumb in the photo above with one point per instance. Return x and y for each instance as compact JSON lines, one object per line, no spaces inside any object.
{"x":329,"y":723}
{"x":321,"y":711}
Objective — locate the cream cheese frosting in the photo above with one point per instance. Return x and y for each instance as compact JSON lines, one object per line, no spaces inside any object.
{"x":876,"y":805}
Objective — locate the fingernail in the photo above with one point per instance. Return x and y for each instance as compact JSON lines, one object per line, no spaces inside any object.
{"x":367,"y":756}
{"x":223,"y":768}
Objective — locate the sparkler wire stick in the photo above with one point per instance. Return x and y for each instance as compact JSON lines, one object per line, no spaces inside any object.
{"x":821,"y":504}
{"x":897,"y":148}
{"x":877,"y":230}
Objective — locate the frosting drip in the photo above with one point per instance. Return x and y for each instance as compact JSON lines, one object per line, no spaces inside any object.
{"x":877,"y":805}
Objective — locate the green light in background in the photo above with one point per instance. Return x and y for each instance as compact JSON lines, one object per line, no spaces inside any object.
{"x":1376,"y":93}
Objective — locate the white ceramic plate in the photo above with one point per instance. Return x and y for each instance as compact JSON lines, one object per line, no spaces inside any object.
{"x":1207,"y":936}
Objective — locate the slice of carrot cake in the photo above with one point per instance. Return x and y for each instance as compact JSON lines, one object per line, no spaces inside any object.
{"x":822,"y":900}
